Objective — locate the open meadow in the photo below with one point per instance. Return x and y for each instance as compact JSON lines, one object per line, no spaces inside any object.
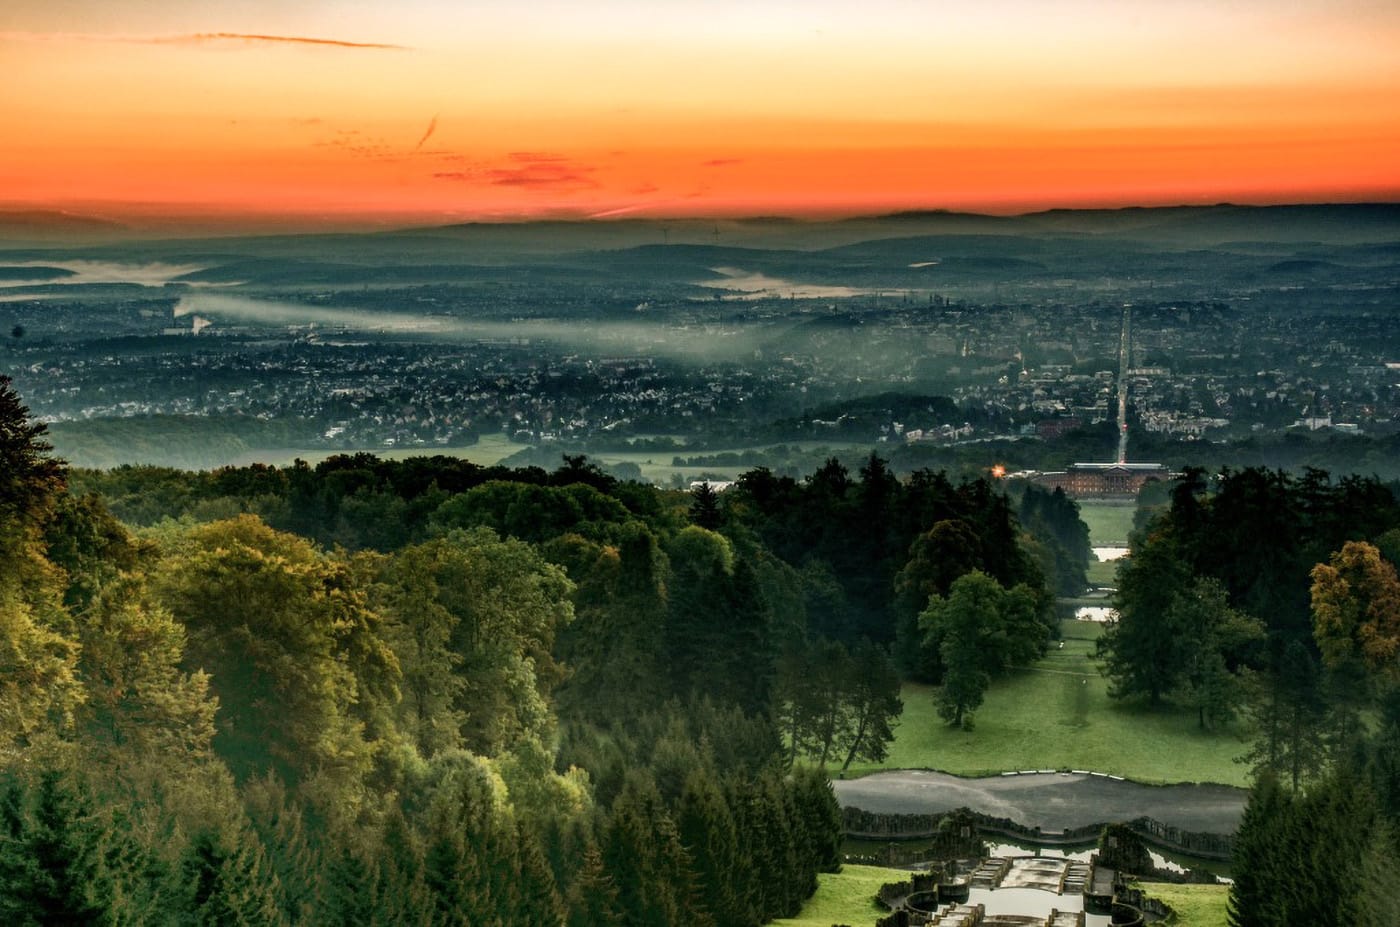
{"x":1110,"y":521}
{"x":845,"y":897}
{"x":1057,"y":715}
{"x":1195,"y":905}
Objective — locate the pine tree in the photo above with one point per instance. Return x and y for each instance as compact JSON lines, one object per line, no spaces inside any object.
{"x":49,"y":859}
{"x":1254,"y":895}
{"x":30,"y":480}
{"x":707,"y":831}
{"x":347,"y":889}
{"x":704,"y":507}
{"x":821,"y":822}
{"x":593,"y":898}
{"x":643,"y":852}
{"x":225,"y":881}
{"x":539,"y":898}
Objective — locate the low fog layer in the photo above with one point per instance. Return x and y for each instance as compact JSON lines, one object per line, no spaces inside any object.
{"x":657,"y":338}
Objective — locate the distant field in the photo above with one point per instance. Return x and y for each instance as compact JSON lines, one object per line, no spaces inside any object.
{"x":845,"y":897}
{"x":492,"y":449}
{"x":656,"y":465}
{"x":1109,"y":522}
{"x":1195,"y":905}
{"x":487,"y":452}
{"x":1057,"y":715}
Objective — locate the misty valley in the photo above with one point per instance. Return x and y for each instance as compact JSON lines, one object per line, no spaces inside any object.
{"x":709,"y":573}
{"x":1260,"y":336}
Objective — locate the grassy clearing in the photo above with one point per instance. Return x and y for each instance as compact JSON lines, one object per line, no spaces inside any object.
{"x":1102,"y":572}
{"x":1109,"y":522}
{"x":656,"y":466}
{"x":487,"y":452}
{"x":1057,"y":715}
{"x":1195,"y":905}
{"x":845,"y":897}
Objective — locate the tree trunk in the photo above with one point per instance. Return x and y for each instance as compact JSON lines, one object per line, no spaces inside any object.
{"x":855,"y":742}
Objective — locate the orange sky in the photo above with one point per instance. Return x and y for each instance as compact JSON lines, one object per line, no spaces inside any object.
{"x":617,"y":107}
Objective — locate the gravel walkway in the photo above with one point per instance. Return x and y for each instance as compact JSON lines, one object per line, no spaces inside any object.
{"x":1050,"y":801}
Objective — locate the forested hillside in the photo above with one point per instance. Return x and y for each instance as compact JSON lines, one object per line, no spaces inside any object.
{"x":1257,"y":594}
{"x":427,"y":692}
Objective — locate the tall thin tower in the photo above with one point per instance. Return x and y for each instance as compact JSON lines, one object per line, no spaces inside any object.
{"x":1125,"y":347}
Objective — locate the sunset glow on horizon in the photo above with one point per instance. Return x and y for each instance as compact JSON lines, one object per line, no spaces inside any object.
{"x":426,"y":108}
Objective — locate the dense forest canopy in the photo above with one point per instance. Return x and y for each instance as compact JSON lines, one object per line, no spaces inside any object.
{"x":1274,"y":597}
{"x":430,"y":692}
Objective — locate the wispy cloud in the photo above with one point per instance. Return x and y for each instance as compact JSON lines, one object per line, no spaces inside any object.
{"x":195,"y":38}
{"x":528,"y":169}
{"x":536,"y":157}
{"x":721,"y":162}
{"x":432,"y":127}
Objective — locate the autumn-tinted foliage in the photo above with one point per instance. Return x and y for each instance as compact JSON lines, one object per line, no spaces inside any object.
{"x":509,"y":698}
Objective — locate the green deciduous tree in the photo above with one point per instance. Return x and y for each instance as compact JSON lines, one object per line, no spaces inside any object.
{"x":981,"y":629}
{"x":474,"y":620}
{"x":281,"y":629}
{"x":837,"y":704}
{"x":140,"y":702}
{"x":875,"y":706}
{"x":1213,"y":638}
{"x":39,"y":687}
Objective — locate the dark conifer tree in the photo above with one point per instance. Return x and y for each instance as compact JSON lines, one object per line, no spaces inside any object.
{"x":1254,"y":896}
{"x":593,"y":898}
{"x":49,"y":858}
{"x":820,"y":815}
{"x":225,"y":880}
{"x":642,"y":850}
{"x":539,"y":898}
{"x":348,"y":889}
{"x":704,"y":507}
{"x":707,"y":832}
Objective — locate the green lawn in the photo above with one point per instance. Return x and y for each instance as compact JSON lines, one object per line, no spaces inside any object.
{"x":846,"y":897}
{"x":1057,"y":715}
{"x":1195,"y":905}
{"x":1102,"y":572}
{"x":1109,"y":522}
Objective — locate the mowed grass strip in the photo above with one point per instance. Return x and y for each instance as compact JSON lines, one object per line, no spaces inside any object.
{"x":845,"y":897}
{"x":1103,"y":573}
{"x":1195,"y":905}
{"x":1057,"y":715}
{"x":1109,"y":522}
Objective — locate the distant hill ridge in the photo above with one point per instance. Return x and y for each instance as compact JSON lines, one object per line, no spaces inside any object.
{"x":486,"y":242}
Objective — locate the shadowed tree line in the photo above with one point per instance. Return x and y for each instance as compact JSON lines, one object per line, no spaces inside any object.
{"x":1259,"y":595}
